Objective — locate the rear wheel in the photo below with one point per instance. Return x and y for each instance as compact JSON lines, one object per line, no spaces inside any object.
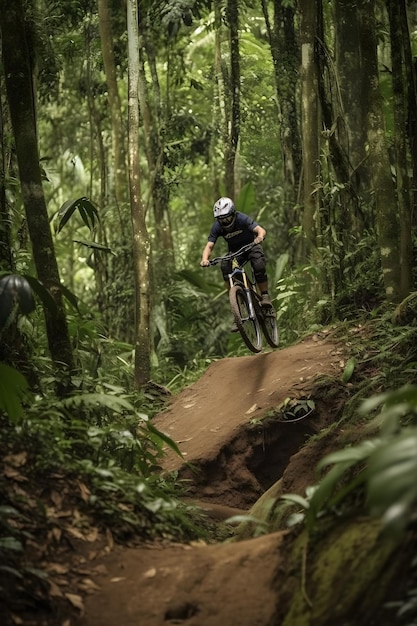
{"x":270,"y":328}
{"x":249,"y":328}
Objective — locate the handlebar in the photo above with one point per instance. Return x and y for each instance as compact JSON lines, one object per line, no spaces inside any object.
{"x":232,"y":255}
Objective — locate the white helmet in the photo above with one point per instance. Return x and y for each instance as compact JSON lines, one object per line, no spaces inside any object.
{"x":225,"y":212}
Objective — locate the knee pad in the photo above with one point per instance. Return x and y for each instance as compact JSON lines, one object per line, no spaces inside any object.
{"x":259,"y":268}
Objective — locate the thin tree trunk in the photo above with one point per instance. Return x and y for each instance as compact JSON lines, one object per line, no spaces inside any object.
{"x":352,"y":91}
{"x":400,"y":144}
{"x":218,"y":106}
{"x":6,"y":257}
{"x":411,"y":126}
{"x":285,"y":56}
{"x":385,"y":200}
{"x":20,"y":94}
{"x":309,"y":121}
{"x":233,"y":95}
{"x":141,"y":245}
{"x":118,"y":138}
{"x":154,"y":121}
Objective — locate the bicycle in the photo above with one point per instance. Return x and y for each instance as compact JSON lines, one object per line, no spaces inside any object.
{"x":245,"y":303}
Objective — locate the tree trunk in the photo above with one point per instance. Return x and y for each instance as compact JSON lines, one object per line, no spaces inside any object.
{"x":218,"y":106}
{"x":233,"y":98}
{"x":158,"y":188}
{"x":118,"y":139}
{"x":285,"y":57}
{"x":17,"y":59}
{"x":141,"y":245}
{"x":385,"y":200}
{"x":399,"y":87}
{"x":332,"y":84}
{"x":154,"y":118}
{"x":309,"y":120}
{"x":411,"y":126}
{"x":6,"y":257}
{"x":351,"y":92}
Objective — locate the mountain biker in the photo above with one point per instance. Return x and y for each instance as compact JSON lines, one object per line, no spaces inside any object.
{"x":238,"y":229}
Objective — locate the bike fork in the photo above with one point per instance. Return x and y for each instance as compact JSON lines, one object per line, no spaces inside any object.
{"x":249,"y":298}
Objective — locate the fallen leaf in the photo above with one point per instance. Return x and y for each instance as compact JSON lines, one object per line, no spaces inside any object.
{"x":54,"y":590}
{"x":12,"y":473}
{"x":110,"y":540}
{"x":56,"y":499}
{"x":56,"y":533}
{"x":92,"y":535}
{"x":150,"y":573}
{"x":75,"y":600}
{"x":76,"y":533}
{"x":17,"y":460}
{"x":85,"y":492}
{"x":88,"y":585}
{"x":58,"y":568}
{"x":252,"y":409}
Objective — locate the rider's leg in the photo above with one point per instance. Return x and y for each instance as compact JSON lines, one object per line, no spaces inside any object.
{"x":258,"y":261}
{"x":263,"y":286}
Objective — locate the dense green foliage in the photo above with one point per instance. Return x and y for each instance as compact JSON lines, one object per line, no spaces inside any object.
{"x":100,"y":434}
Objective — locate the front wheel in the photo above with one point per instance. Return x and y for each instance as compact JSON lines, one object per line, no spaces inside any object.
{"x":270,"y":328}
{"x":249,"y":328}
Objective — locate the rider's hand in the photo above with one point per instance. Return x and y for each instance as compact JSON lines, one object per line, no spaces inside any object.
{"x":204,"y":263}
{"x":258,"y":239}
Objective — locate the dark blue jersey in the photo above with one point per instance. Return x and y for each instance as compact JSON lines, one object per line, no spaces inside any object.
{"x":241,"y":234}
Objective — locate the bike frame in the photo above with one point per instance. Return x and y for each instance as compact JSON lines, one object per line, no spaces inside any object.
{"x":248,"y":283}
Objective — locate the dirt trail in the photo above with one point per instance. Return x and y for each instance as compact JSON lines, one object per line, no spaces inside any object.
{"x":232,"y":584}
{"x":233,"y":391}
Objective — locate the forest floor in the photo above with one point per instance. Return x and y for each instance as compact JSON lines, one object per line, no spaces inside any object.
{"x":232,"y":454}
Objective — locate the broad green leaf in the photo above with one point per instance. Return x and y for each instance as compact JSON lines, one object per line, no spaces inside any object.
{"x":350,"y":455}
{"x":71,"y":297}
{"x":329,"y":491}
{"x":246,"y":200}
{"x":35,"y":571}
{"x":10,"y":543}
{"x":9,"y":511}
{"x":296,"y":499}
{"x":392,"y":473}
{"x":170,"y":442}
{"x":396,"y":517}
{"x":408,"y":394}
{"x":95,"y":246}
{"x":96,"y":400}
{"x":42,"y":293}
{"x":86,"y":208}
{"x":280,"y":265}
{"x":196,"y":279}
{"x":325,"y":489}
{"x":13,"y":388}
{"x":349,"y":369}
{"x":10,"y":570}
{"x":239,"y":519}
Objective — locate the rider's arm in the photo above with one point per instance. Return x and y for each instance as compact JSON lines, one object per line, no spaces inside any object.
{"x":206,"y":253}
{"x":260,"y":233}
